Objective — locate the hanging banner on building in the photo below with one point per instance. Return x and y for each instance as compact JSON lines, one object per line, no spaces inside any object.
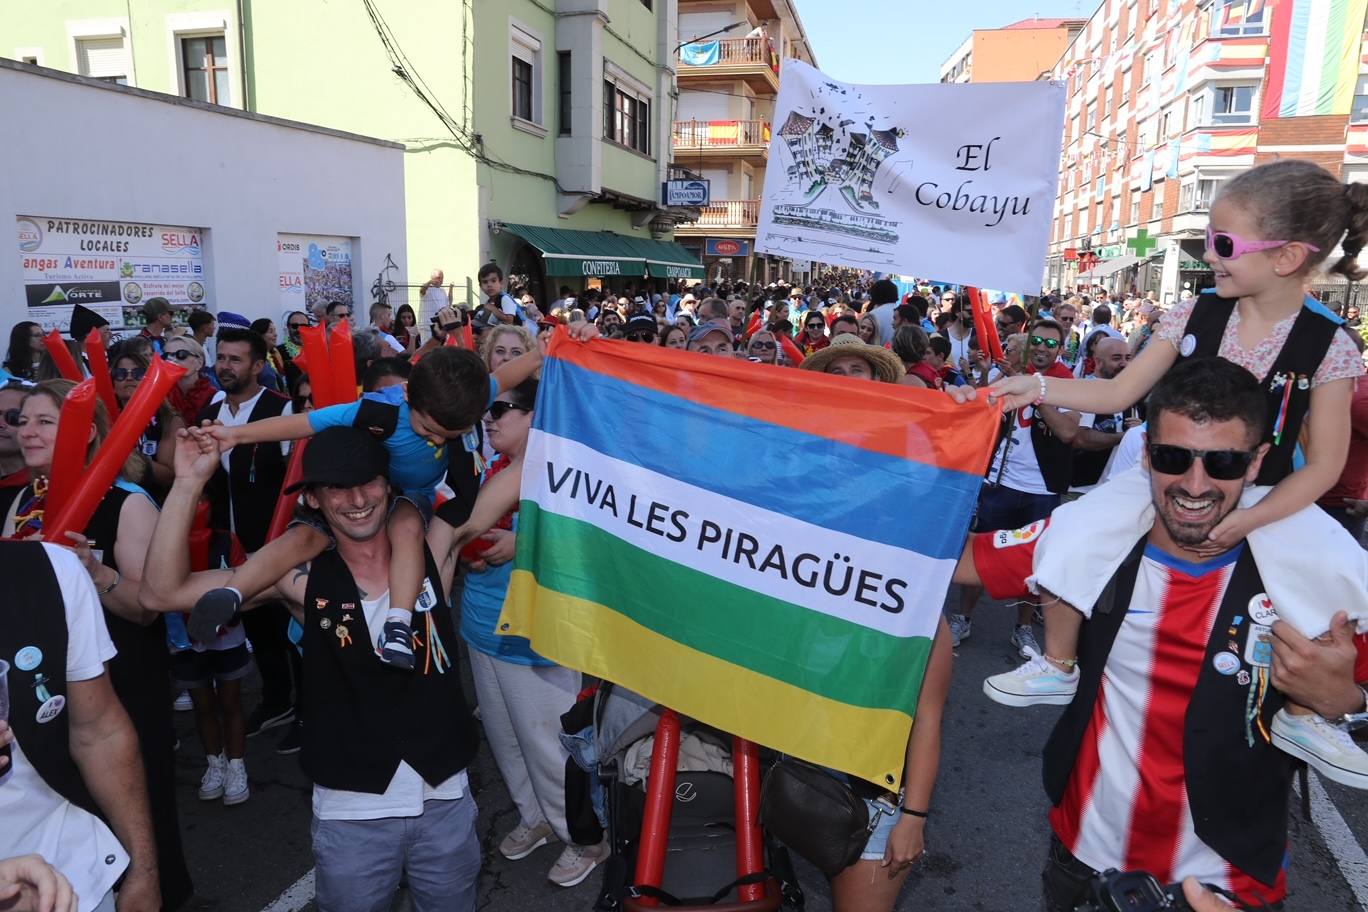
{"x":110,"y":267}
{"x":956,"y":180}
{"x":314,"y":271}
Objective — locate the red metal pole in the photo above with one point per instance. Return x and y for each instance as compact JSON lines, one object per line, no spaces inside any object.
{"x":660,"y":793}
{"x":750,"y":848}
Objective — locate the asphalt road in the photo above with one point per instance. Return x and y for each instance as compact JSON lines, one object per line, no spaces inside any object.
{"x":986,"y":840}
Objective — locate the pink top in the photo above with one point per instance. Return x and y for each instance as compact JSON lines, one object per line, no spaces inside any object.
{"x":1340,"y":362}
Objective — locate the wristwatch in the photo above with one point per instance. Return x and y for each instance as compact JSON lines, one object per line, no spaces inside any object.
{"x":1353,"y":721}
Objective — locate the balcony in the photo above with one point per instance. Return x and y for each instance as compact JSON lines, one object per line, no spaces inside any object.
{"x":726,"y":139}
{"x":750,"y":59}
{"x":729,"y":215}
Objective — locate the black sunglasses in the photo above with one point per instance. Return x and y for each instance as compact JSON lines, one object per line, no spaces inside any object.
{"x":640,"y":337}
{"x":128,"y":373}
{"x":297,"y":326}
{"x":816,"y":324}
{"x":501,"y":408}
{"x":183,"y":354}
{"x":1221,"y":465}
{"x":1050,"y":344}
{"x":764,"y":346}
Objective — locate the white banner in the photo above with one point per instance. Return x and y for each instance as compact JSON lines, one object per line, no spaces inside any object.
{"x":954,"y":181}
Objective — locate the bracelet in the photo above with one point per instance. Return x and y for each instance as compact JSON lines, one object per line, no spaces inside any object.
{"x":1040,"y":400}
{"x":118,"y":578}
{"x":922,"y":814}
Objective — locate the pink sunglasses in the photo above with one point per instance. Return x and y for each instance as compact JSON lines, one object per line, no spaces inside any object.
{"x":1229,"y":246}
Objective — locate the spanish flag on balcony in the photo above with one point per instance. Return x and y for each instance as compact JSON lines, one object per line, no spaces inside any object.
{"x":1314,"y":57}
{"x":672,"y":539}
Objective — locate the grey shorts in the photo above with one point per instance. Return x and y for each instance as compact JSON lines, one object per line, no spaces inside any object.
{"x":315,"y":521}
{"x":358,"y":862}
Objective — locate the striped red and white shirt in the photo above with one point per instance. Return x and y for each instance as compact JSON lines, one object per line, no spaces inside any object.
{"x":1125,"y":806}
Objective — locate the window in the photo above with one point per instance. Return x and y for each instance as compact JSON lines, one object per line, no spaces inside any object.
{"x":1092,"y":117}
{"x":1157,"y":209}
{"x":1135,"y":208}
{"x":1165,"y":122}
{"x":1232,"y":18}
{"x":522,"y":88}
{"x":1359,"y":113}
{"x":31,"y":61}
{"x":525,"y":82}
{"x":563,"y":76}
{"x":1186,"y":195}
{"x":626,"y":117}
{"x":105,"y":59}
{"x":1233,"y":104}
{"x":1206,"y":190}
{"x":1148,"y":74}
{"x":1198,"y":112}
{"x":204,"y":59}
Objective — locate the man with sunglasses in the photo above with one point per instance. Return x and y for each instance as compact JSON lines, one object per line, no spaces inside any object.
{"x":1163,"y":760}
{"x":1029,"y":474}
{"x":813,"y":338}
{"x":13,"y":472}
{"x":641,"y":328}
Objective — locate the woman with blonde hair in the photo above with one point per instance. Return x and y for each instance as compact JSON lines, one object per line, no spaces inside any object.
{"x":504,"y":343}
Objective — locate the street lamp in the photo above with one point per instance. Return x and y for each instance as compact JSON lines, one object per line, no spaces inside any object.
{"x":721,"y":31}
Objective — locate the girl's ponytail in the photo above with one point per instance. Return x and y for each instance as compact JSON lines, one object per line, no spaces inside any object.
{"x":1356,"y":233}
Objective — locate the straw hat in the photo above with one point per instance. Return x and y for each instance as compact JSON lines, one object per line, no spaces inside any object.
{"x":883,"y":364}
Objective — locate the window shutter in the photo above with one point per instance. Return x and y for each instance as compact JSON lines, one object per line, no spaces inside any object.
{"x":102,"y":57}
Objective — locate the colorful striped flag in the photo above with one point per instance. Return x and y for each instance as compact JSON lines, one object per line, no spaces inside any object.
{"x":1313,"y":57}
{"x":761,"y":548}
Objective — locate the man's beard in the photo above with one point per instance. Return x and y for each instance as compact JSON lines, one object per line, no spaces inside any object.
{"x":1185,"y":531}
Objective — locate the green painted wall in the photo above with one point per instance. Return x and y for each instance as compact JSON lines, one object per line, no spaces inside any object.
{"x":321,"y":62}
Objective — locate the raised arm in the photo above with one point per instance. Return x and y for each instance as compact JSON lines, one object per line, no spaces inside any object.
{"x":1099,"y":396}
{"x":268,"y":430}
{"x":498,"y":495}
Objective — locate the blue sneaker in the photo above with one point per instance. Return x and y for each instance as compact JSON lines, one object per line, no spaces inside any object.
{"x":396,"y":645}
{"x":1035,"y":683}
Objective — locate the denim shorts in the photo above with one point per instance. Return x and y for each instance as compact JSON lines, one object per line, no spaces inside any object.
{"x":888,"y":816}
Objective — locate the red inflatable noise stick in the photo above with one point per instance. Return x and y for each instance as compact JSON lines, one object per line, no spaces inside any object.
{"x":284,"y":508}
{"x":984,"y":324}
{"x":343,"y":356}
{"x":109,"y":460}
{"x":69,"y":450}
{"x":61,"y":356}
{"x":315,"y":343}
{"x":99,"y":370}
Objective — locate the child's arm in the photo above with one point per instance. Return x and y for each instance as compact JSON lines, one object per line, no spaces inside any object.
{"x":268,"y":430}
{"x":1096,"y":396}
{"x":1327,"y":448}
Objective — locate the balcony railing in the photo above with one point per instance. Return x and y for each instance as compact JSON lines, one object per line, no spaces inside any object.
{"x":730,"y":214}
{"x":721,"y":134}
{"x":730,"y":52}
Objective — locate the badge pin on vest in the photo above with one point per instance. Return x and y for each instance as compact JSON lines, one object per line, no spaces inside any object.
{"x":427,"y":599}
{"x":50,"y":706}
{"x":1259,"y":646}
{"x":28,"y":658}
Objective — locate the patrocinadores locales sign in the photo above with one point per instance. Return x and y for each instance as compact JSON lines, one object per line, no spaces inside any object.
{"x":954,"y":181}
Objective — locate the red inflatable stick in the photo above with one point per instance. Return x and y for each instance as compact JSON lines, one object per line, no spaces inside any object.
{"x":73,"y":439}
{"x":343,"y":357}
{"x":452,"y":341}
{"x":791,"y":349}
{"x":984,"y":324}
{"x":285,"y":505}
{"x":104,"y":468}
{"x":753,"y":326}
{"x":99,"y":371}
{"x":467,"y":335}
{"x":61,"y":356}
{"x":315,"y":342}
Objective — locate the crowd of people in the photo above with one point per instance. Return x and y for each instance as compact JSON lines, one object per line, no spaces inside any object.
{"x":1132,"y":435}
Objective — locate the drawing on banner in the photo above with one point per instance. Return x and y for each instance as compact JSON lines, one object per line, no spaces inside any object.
{"x":110,"y":267}
{"x":857,"y":178}
{"x":314,"y":270}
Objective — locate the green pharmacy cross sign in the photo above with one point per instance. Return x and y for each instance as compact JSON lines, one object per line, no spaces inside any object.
{"x":1142,"y":243}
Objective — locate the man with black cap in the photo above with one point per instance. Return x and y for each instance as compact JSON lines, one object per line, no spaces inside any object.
{"x":641,"y":328}
{"x":387,"y":752}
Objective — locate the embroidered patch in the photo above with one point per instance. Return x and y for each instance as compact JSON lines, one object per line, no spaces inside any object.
{"x":1007,"y":538}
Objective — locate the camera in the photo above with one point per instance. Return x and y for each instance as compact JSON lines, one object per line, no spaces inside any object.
{"x":1132,"y":891}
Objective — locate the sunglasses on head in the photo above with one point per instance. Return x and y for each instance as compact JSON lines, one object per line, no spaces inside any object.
{"x":501,"y":408}
{"x":1050,"y":344}
{"x":1229,"y":246}
{"x":128,"y":373}
{"x":183,"y":354}
{"x":1220,"y":465}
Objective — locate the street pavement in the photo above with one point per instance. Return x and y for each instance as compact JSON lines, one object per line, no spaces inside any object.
{"x":986,"y":838}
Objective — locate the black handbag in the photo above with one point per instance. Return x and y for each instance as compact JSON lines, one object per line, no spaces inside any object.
{"x":815,"y":814}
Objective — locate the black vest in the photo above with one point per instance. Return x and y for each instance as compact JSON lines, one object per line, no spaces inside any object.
{"x":1053,"y":456}
{"x":1088,"y":465}
{"x":31,"y":614}
{"x":1305,"y":348}
{"x":361,"y":718}
{"x":251,"y":486}
{"x":1237,"y":793}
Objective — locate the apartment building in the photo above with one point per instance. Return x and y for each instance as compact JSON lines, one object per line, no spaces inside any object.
{"x":1020,"y":52}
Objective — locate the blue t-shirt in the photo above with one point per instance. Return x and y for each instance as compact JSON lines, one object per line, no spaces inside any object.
{"x":481,"y":602}
{"x":416,"y":466}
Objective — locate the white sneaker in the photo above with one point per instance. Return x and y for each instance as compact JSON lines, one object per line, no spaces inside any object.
{"x":576,"y":863}
{"x":1036,"y":682}
{"x":1327,"y":747}
{"x":235,"y":788}
{"x":524,"y":840}
{"x":183,"y":702}
{"x":211,"y":786}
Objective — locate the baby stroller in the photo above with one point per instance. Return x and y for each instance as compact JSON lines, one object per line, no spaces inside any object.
{"x":688,"y":837}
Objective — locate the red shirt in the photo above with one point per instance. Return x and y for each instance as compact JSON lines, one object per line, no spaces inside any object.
{"x":1353,"y":483}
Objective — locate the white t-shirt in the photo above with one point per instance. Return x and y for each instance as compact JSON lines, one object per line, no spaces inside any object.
{"x":1126,"y":454}
{"x":35,"y":818}
{"x":1023,"y":470}
{"x":244,"y":413}
{"x":434,"y":299}
{"x":393,"y":343}
{"x":406,"y":792}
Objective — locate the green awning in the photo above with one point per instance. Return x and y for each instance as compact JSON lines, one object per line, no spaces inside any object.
{"x":606,"y":253}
